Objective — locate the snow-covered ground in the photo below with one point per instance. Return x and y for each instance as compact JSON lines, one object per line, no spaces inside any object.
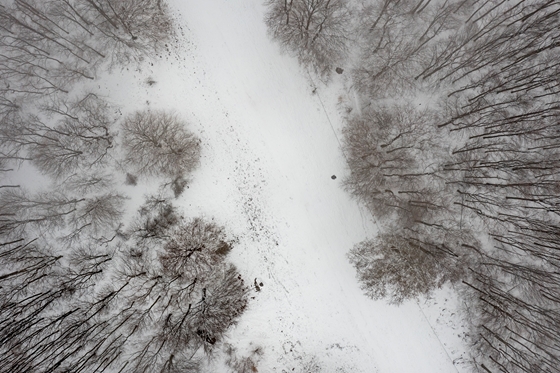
{"x":270,"y":147}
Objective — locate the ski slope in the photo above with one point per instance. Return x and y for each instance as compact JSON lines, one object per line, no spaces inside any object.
{"x":270,"y":147}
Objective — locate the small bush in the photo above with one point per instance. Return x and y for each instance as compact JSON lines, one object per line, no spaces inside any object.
{"x":178,"y":186}
{"x":131,"y":179}
{"x":242,"y":364}
{"x":223,"y":249}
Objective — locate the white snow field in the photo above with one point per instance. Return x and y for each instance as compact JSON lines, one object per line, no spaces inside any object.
{"x":270,"y":146}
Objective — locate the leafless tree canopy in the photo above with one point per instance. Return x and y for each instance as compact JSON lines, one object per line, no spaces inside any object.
{"x":49,"y":45}
{"x":395,"y":162}
{"x":79,"y":290}
{"x":396,"y":38}
{"x":158,"y":143}
{"x":107,"y":308}
{"x":80,"y":139}
{"x":316,"y":31}
{"x":60,"y":214}
{"x":489,"y":201}
{"x":194,"y":248}
{"x":399,"y":267}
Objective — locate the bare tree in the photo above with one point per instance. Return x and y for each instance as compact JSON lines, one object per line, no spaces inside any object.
{"x":406,"y":264}
{"x":155,"y":220}
{"x":98,"y":216}
{"x":43,"y":326}
{"x":498,"y":69}
{"x":316,"y":31}
{"x":168,"y":314}
{"x":224,"y":299}
{"x":48,"y":46}
{"x":397,"y":38}
{"x":194,"y":248}
{"x":127,"y":29}
{"x":395,"y":162}
{"x":80,"y":138}
{"x":87,"y":182}
{"x":41,"y":54}
{"x":104,"y":308}
{"x":59,"y":214}
{"x":157,"y":143}
{"x":46,"y":210}
{"x":391,"y":267}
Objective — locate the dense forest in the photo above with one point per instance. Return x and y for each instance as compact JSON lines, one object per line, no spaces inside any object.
{"x":455,"y":152}
{"x":81,"y":289}
{"x":453,"y":147}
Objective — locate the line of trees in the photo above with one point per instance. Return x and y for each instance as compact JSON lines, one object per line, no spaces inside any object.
{"x":81,"y":290}
{"x":466,"y":189}
{"x":148,"y":302}
{"x":509,"y":116}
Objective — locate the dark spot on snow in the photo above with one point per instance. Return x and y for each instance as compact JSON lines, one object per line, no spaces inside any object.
{"x":339,"y":70}
{"x":333,"y":177}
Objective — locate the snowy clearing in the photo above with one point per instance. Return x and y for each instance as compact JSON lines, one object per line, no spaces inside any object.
{"x":269,"y":149}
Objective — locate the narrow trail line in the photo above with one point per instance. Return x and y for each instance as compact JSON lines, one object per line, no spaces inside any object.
{"x":341,"y":148}
{"x":359,"y":108}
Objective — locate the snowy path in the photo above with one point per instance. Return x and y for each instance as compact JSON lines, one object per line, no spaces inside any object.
{"x":269,"y":153}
